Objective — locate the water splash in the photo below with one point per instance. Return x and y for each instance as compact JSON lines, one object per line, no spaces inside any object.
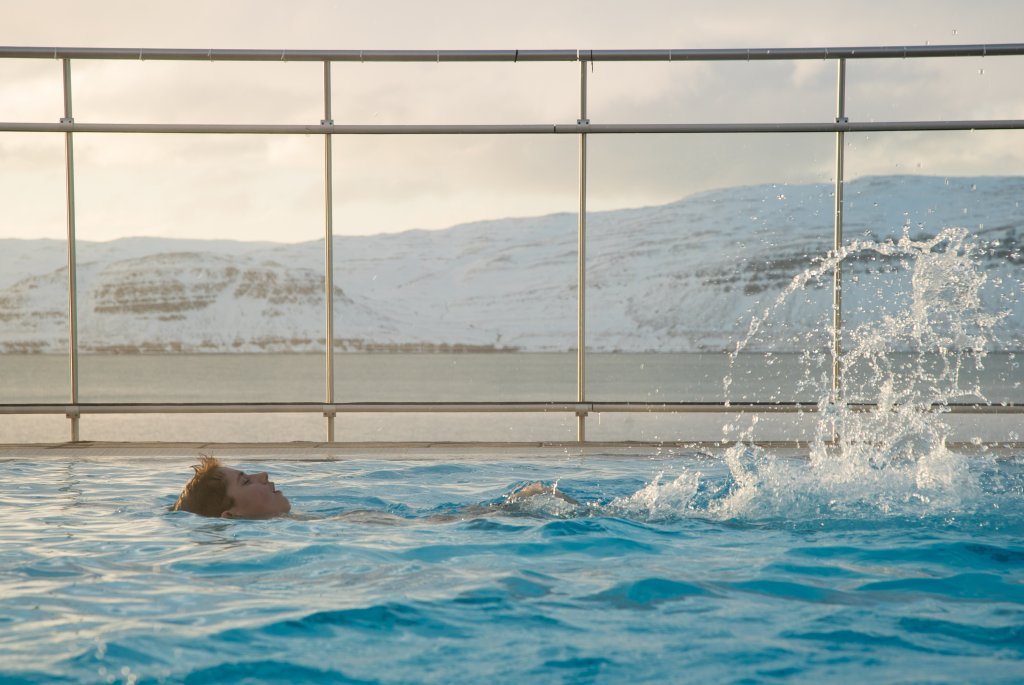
{"x":881,"y":446}
{"x":660,"y":500}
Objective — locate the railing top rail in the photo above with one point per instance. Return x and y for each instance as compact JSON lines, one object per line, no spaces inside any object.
{"x":515,"y":129}
{"x":661,"y":55}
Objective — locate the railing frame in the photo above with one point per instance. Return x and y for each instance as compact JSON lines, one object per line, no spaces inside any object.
{"x":583,"y":127}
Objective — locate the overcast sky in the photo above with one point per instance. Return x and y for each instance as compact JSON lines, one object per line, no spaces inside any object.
{"x":271,"y":187}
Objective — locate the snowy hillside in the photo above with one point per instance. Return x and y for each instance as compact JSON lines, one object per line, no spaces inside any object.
{"x":678,"y":277}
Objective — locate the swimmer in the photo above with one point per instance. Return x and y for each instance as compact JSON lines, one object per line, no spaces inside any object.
{"x":219,"y":491}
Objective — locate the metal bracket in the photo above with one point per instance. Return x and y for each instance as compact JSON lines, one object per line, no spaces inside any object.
{"x":67,"y":120}
{"x":583,"y":122}
{"x":327,"y":122}
{"x":842,"y":120}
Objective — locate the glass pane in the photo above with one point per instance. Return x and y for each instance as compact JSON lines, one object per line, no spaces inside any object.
{"x":683,"y":295}
{"x":31,"y":90}
{"x":33,"y":254}
{"x":17,"y":429}
{"x":194,"y":289}
{"x":178,"y":92}
{"x":932,"y":289}
{"x":712,"y":427}
{"x":433,"y":427}
{"x":933,"y":89}
{"x":33,"y":270}
{"x":480,"y":311}
{"x":466,"y":93}
{"x":711,"y":92}
{"x":202,"y":428}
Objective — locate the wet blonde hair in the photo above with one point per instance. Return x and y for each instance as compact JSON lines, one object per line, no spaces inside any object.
{"x":206,"y":493}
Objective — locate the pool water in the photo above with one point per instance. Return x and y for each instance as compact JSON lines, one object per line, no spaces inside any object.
{"x":737,"y":566}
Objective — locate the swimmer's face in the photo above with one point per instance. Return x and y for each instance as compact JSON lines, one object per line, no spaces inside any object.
{"x":254,"y":495}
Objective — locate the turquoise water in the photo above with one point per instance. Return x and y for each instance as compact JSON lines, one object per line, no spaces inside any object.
{"x":738,"y":566}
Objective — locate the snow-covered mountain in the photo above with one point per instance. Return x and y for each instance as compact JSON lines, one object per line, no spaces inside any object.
{"x":678,"y":277}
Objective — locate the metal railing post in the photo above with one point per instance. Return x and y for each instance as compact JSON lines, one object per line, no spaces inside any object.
{"x":329,"y":249}
{"x":69,"y":171}
{"x":837,"y":273}
{"x":581,"y":280}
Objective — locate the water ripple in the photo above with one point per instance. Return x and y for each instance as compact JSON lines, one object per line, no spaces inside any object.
{"x":648,"y":593}
{"x":979,"y":587}
{"x":268,"y":671}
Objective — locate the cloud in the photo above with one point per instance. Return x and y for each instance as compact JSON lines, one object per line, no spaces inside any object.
{"x":264,"y":186}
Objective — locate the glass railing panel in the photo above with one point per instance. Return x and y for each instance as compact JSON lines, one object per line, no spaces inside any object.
{"x":193,"y":289}
{"x":203,"y":428}
{"x":34,"y":363}
{"x":703,"y":427}
{"x":482,"y":307}
{"x":349,"y":427}
{"x":711,"y":92}
{"x":492,"y":316}
{"x":684,"y":287}
{"x":933,"y":295}
{"x":196,"y":92}
{"x":528,"y":427}
{"x":31,"y":90}
{"x":33,"y":254}
{"x":931,"y":89}
{"x":18,"y":429}
{"x":465,"y":93}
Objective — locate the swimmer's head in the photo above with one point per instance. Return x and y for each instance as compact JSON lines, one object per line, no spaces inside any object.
{"x":219,"y":491}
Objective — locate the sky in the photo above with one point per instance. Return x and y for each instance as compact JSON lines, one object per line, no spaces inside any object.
{"x":272,"y":187}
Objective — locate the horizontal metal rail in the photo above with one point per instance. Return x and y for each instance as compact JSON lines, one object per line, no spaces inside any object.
{"x":471,"y":407}
{"x":521,"y":129}
{"x":660,"y":55}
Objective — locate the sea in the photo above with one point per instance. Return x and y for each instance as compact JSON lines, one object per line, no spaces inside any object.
{"x":994,"y":379}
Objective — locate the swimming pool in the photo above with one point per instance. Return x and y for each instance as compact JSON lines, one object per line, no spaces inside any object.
{"x":682,"y":566}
